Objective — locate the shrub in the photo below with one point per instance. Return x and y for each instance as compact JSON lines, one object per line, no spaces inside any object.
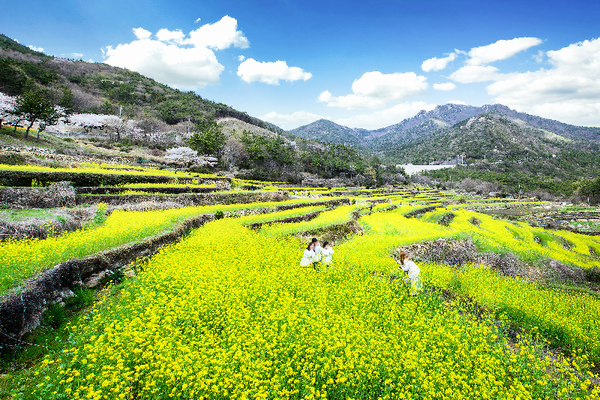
{"x":219,"y":215}
{"x":592,"y":274}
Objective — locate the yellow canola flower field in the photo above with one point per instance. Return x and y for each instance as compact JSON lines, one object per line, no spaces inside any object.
{"x":228,"y":313}
{"x":337,"y":216}
{"x":106,"y":169}
{"x":20,"y":259}
{"x":565,"y":319}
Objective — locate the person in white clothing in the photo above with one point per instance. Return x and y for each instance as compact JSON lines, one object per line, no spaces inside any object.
{"x":414,"y":273}
{"x":318,"y":248}
{"x":309,"y":259}
{"x":326,"y":253}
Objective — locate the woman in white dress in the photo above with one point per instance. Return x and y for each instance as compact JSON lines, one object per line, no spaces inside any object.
{"x":414,"y":273}
{"x":326,"y":253}
{"x":310,"y":258}
{"x":318,"y":248}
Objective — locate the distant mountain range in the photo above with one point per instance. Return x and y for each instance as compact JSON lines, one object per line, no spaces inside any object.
{"x":428,"y":124}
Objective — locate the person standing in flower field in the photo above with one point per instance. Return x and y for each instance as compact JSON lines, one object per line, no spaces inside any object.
{"x":310,"y":257}
{"x":414,"y":273}
{"x":326,"y":253}
{"x":318,"y":248}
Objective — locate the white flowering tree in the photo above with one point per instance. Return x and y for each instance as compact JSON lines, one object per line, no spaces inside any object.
{"x":190,"y":157}
{"x":7,"y":106}
{"x":89,"y":121}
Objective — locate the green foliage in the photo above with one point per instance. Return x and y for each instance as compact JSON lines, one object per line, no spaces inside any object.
{"x":208,"y":139}
{"x":34,"y":106}
{"x":66,"y":100}
{"x":83,"y":297}
{"x":592,"y":274}
{"x":219,"y":214}
{"x":100,"y":216}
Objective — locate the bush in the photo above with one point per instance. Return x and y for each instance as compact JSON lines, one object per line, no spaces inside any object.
{"x":592,"y":274}
{"x":475,"y":221}
{"x":83,"y":298}
{"x":219,"y":215}
{"x":447,"y":218}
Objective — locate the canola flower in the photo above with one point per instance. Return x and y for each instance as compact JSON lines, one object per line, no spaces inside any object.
{"x":103,"y":169}
{"x":19,"y":259}
{"x":226,"y":313}
{"x":338,"y":216}
{"x":566,"y":319}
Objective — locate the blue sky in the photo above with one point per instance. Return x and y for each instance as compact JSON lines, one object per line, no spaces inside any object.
{"x":355,"y":62}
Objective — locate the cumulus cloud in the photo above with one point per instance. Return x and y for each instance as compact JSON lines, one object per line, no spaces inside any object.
{"x":437,"y":64}
{"x":220,"y":35}
{"x":444,"y":87}
{"x":475,"y":73}
{"x":387,"y":117}
{"x":185,"y":63}
{"x":141,"y":33}
{"x":500,"y":50}
{"x":374,"y":90}
{"x":457,"y":102}
{"x":40,"y":49}
{"x":291,"y":121}
{"x":76,"y":55}
{"x":165,"y":35}
{"x":270,"y":72}
{"x":241,"y":58}
{"x":569,"y":91}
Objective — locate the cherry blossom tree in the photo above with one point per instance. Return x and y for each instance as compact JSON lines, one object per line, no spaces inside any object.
{"x":7,"y":106}
{"x":190,"y":157}
{"x":89,"y":121}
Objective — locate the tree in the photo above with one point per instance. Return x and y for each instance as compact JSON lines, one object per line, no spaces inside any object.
{"x":89,"y":121}
{"x":66,"y":100}
{"x":33,"y":106}
{"x":7,"y":106}
{"x":208,"y":139}
{"x":190,"y":157}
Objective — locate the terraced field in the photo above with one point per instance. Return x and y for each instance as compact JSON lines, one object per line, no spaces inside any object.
{"x":224,"y":310}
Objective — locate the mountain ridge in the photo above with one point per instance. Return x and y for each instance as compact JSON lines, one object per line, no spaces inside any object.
{"x":441,"y":118}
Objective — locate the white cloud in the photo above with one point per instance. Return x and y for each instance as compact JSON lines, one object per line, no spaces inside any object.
{"x":350,"y":102}
{"x":197,"y":20}
{"x":291,"y":121}
{"x":538,"y":57}
{"x":220,"y":35}
{"x":185,"y":63}
{"x":457,"y":102}
{"x":437,"y":64}
{"x":40,"y":49}
{"x":141,"y":33}
{"x":569,"y":91}
{"x":374,"y":90}
{"x":387,"y":117}
{"x":241,"y":58}
{"x":165,"y":35}
{"x":475,"y":73}
{"x":500,"y":50}
{"x":444,"y":87}
{"x":270,"y":72}
{"x":76,"y":55}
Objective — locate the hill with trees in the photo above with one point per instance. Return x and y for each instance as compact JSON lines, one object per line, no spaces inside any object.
{"x":125,"y":111}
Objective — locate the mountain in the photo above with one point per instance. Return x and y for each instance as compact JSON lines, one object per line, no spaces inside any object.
{"x":165,"y":118}
{"x":385,"y":141}
{"x":329,"y":132}
{"x":103,"y":89}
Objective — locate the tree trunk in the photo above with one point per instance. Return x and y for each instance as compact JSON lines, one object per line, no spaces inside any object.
{"x":28,"y":128}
